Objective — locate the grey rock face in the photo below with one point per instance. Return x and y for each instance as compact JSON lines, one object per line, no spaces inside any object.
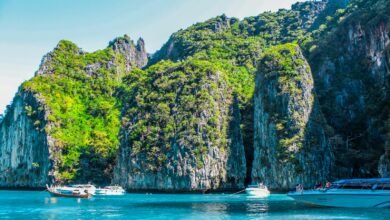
{"x":29,"y":157}
{"x":236,"y":161}
{"x":135,"y":55}
{"x":48,"y":63}
{"x":353,"y":87}
{"x":321,"y":9}
{"x":142,"y":55}
{"x":217,"y":165}
{"x":290,"y":145}
{"x":384,"y":164}
{"x":223,"y":23}
{"x":24,"y":151}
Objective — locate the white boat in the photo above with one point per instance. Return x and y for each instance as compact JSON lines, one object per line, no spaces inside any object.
{"x":110,"y":191}
{"x":352,"y":193}
{"x":259,"y":190}
{"x":61,"y":192}
{"x":90,"y":189}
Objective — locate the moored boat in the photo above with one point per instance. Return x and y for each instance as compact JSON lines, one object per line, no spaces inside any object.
{"x":67,"y":190}
{"x":259,"y":190}
{"x":60,"y":192}
{"x":110,"y":191}
{"x":89,"y":187}
{"x":351,"y":193}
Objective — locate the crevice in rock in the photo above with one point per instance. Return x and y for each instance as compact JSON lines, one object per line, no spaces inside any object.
{"x":247,"y":133}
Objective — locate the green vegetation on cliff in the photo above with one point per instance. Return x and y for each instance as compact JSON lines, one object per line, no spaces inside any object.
{"x":228,"y":45}
{"x":243,"y":41}
{"x":182,"y":101}
{"x":350,"y":60}
{"x":84,"y":114}
{"x":175,"y":104}
{"x":286,"y":65}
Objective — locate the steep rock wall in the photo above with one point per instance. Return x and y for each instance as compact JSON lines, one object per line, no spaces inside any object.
{"x":24,"y":147}
{"x":290,"y":144}
{"x":352,"y":70}
{"x":184,"y":135}
{"x":43,"y":135}
{"x":384,"y":164}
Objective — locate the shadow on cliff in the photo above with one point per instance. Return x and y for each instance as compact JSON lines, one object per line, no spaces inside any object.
{"x":240,"y":133}
{"x":95,"y":168}
{"x":351,"y":69}
{"x":317,"y":151}
{"x":247,"y":120}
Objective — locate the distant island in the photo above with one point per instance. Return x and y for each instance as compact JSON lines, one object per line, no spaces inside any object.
{"x":286,"y":97}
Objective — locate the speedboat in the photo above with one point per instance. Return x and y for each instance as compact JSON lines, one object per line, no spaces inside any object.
{"x":70,"y":193}
{"x":79,"y":187}
{"x":350,"y":193}
{"x":89,"y":187}
{"x":110,"y":191}
{"x":259,"y":190}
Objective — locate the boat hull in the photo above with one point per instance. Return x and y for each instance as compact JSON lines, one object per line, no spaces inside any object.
{"x":360,"y":199}
{"x":54,"y":193}
{"x":108,"y":193}
{"x":257,"y":192}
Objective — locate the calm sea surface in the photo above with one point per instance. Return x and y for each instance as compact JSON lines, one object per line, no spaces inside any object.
{"x":39,"y":205}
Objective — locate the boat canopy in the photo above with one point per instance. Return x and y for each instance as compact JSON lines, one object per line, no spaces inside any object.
{"x":364,"y":181}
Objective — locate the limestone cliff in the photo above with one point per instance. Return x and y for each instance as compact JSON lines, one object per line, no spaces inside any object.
{"x":25,"y":160}
{"x":220,"y":102}
{"x":384,"y":164}
{"x":290,"y":144}
{"x":63,"y":124}
{"x":180,"y":130}
{"x":351,"y":66}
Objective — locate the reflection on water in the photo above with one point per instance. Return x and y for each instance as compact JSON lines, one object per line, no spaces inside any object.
{"x":257,"y":207}
{"x":37,"y":205}
{"x":51,"y":200}
{"x":210,"y":209}
{"x":257,"y":210}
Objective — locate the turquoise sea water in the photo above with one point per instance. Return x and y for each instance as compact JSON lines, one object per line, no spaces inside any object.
{"x":39,"y":205}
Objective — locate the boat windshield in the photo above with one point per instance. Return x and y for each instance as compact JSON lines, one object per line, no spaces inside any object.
{"x":82,"y":186}
{"x":373,"y":184}
{"x":261,"y":186}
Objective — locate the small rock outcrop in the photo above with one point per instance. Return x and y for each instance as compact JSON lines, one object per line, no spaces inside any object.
{"x":290,"y":144}
{"x":135,"y":55}
{"x":223,"y":23}
{"x":66,"y":48}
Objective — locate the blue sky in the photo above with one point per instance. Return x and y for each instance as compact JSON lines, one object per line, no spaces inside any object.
{"x":29,"y":29}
